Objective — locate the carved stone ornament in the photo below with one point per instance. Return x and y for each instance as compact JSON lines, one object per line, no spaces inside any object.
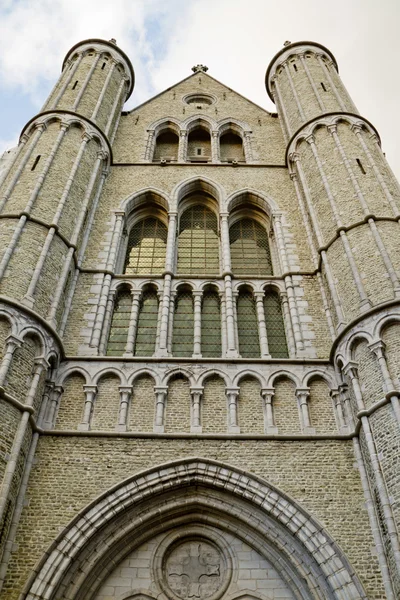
{"x":192,"y":566}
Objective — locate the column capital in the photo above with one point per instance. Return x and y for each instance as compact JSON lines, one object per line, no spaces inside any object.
{"x":259,"y":295}
{"x":119,"y":213}
{"x":172,"y":214}
{"x":197,"y":293}
{"x":128,"y":389}
{"x":183,"y":133}
{"x":215,"y":134}
{"x":196,"y":389}
{"x":356,"y":127}
{"x":378,"y":348}
{"x":267,"y":393}
{"x":13,"y":340}
{"x":57,"y":389}
{"x":161,"y":389}
{"x":332,"y":128}
{"x":136,"y":294}
{"x":302,"y":394}
{"x":310,"y":139}
{"x":294,"y":157}
{"x":351,"y":369}
{"x":224,"y":215}
{"x":90,"y":389}
{"x":41,"y":362}
{"x":232,"y":390}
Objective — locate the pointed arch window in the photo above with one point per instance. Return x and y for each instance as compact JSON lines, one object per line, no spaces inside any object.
{"x":231,"y":147}
{"x":199,"y":145}
{"x":198,"y":244}
{"x":211,"y":324}
{"x":277,"y":344}
{"x":147,"y":324}
{"x":250,"y":252}
{"x":183,"y":325}
{"x":120,"y":323}
{"x":247,"y":324}
{"x":147,"y":243}
{"x":166,"y":148}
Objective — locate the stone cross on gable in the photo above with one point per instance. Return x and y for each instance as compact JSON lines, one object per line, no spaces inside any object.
{"x":195,"y":571}
{"x":198,"y":68}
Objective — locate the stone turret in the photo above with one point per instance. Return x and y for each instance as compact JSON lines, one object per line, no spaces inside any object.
{"x":48,"y":199}
{"x":350,"y":203}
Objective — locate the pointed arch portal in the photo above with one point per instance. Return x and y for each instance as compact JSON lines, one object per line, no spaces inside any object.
{"x":188,"y":502}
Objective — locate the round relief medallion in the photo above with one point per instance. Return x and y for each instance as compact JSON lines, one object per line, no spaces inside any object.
{"x":195,"y":568}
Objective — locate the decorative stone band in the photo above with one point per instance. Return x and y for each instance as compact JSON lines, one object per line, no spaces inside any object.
{"x":224,"y":493}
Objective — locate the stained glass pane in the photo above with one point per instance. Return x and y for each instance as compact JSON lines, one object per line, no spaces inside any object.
{"x":250,"y":253}
{"x":249,"y":346}
{"x":147,"y":325}
{"x":182,"y":339}
{"x":211,"y":325}
{"x":147,"y":244}
{"x":275,"y":327}
{"x":119,"y":324}
{"x":198,"y":243}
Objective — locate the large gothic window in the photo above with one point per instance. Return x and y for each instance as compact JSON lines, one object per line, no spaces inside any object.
{"x":275,"y":327}
{"x":211,"y":324}
{"x":120,"y":323}
{"x":166,"y":148}
{"x":147,"y":244}
{"x":250,"y":253}
{"x":183,"y":324}
{"x":247,"y":324}
{"x":147,"y":324}
{"x":198,"y":243}
{"x":231,"y":147}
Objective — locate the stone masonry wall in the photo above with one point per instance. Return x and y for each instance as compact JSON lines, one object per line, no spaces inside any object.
{"x":319,"y":474}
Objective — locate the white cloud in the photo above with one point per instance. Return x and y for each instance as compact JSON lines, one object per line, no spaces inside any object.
{"x":235,"y":38}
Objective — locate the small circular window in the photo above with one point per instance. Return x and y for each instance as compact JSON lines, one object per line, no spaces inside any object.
{"x":199,"y":100}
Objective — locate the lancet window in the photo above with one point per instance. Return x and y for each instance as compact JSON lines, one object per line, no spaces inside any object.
{"x":276,"y":336}
{"x":145,"y":343}
{"x":183,"y":324}
{"x":198,"y":243}
{"x":211,"y":324}
{"x":247,"y":324}
{"x":166,"y":147}
{"x":250,"y":252}
{"x":147,"y":242}
{"x":120,"y":323}
{"x":231,"y":147}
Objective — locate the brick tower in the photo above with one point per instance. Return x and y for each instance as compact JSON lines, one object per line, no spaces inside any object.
{"x":199,"y":322}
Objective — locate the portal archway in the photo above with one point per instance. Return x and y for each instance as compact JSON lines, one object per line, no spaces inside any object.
{"x":181,"y":502}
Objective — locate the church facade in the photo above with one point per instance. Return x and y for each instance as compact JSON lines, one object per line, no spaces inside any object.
{"x":199,"y":341}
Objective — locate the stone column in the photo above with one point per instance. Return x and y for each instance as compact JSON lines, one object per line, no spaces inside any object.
{"x":90,"y":396}
{"x":197,"y":295}
{"x":103,"y":91}
{"x":171,"y":322}
{"x":232,"y":395}
{"x":337,"y":402}
{"x":232,"y":348}
{"x":12,"y":343}
{"x":215,"y":147}
{"x":223,"y":323}
{"x":159,"y":296}
{"x":248,"y":154}
{"x":195,"y":420}
{"x":125,"y":392}
{"x":262,"y":329}
{"x":302,"y":395}
{"x":161,"y":397}
{"x":269,"y":422}
{"x":85,"y":81}
{"x":169,"y":266}
{"x":344,"y":394}
{"x":149,"y":151}
{"x":288,"y":324}
{"x":133,"y":321}
{"x":183,"y":144}
{"x":107,"y":322}
{"x":378,"y":348}
{"x":54,"y":397}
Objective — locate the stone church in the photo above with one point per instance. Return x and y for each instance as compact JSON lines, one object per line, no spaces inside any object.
{"x":199,"y":341}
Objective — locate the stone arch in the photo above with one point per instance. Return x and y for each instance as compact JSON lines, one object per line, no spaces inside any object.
{"x":75,"y":369}
{"x":238,"y":126}
{"x":216,"y":494}
{"x":107,"y":400}
{"x":164,"y":124}
{"x":72,"y":401}
{"x":109,"y":371}
{"x":256,"y":198}
{"x":356,"y":338}
{"x":179,"y":371}
{"x":197,"y":184}
{"x":196,"y":121}
{"x":317,"y":373}
{"x":389,"y":331}
{"x":6,"y":328}
{"x":249,"y":373}
{"x":146,"y":371}
{"x":29,"y":330}
{"x":142,"y":197}
{"x":283,"y":373}
{"x":284,"y":403}
{"x":214,"y":372}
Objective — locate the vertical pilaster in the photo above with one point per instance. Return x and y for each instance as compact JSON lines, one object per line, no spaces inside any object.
{"x":302,"y":395}
{"x":262,"y":329}
{"x":161,"y":398}
{"x":232,"y":395}
{"x":196,"y":394}
{"x":90,"y":397}
{"x":133,"y":321}
{"x":267,"y":395}
{"x":197,"y":296}
{"x":125,"y":393}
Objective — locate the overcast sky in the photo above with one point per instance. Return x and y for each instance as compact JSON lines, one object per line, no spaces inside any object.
{"x":236,"y":39}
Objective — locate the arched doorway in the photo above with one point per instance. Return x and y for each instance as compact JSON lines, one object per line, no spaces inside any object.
{"x":196,"y":529}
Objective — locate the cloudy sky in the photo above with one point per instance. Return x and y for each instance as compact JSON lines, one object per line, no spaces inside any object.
{"x":235,"y":38}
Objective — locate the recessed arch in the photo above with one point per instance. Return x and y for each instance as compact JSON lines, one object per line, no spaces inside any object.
{"x":249,"y":373}
{"x":208,"y":491}
{"x":197,"y":184}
